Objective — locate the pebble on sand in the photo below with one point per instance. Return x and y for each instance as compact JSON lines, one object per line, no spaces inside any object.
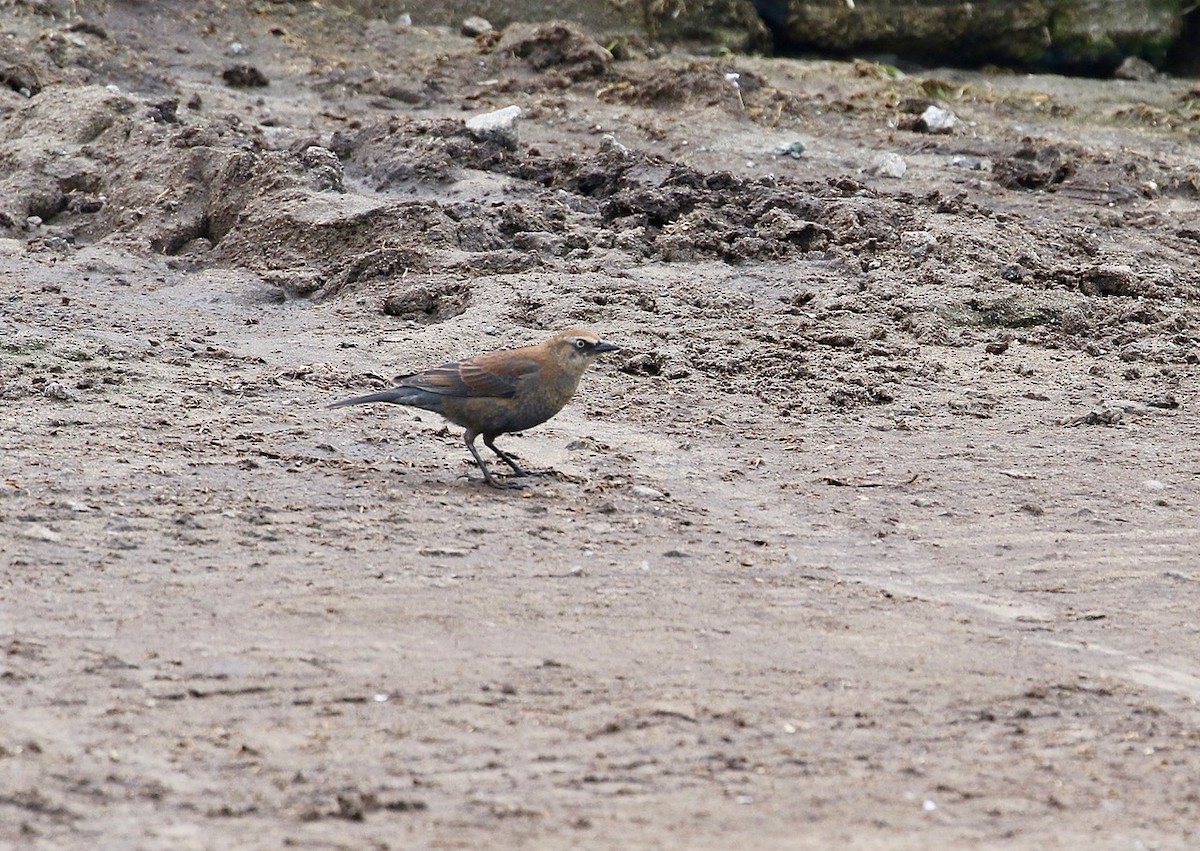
{"x":499,"y":126}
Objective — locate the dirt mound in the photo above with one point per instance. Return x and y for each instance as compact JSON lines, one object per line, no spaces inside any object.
{"x":416,"y":196}
{"x":557,"y":45}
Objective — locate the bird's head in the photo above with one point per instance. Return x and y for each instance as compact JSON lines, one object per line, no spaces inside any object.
{"x":577,"y":347}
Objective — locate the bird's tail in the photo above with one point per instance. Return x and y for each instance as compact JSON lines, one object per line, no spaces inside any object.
{"x":397,"y":396}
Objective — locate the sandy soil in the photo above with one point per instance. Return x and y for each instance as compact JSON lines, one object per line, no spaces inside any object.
{"x":880,"y":533}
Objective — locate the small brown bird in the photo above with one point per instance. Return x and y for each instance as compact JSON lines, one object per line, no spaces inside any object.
{"x":500,"y":392}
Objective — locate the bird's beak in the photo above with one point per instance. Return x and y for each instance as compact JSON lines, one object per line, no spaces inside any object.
{"x":605,"y":346}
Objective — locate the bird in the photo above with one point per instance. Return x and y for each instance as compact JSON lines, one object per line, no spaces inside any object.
{"x":500,"y":392}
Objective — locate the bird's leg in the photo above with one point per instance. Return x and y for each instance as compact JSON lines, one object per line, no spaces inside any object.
{"x":507,"y":459}
{"x":489,"y":441}
{"x":469,"y":437}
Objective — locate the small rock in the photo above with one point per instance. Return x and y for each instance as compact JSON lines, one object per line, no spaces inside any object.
{"x":236,"y":48}
{"x":196,"y":247}
{"x":57,"y":391}
{"x":324,"y":168}
{"x":1128,"y":406}
{"x":499,"y":126}
{"x":971,"y":163}
{"x":1097,"y":416}
{"x":918,"y":243}
{"x":888,"y":164}
{"x":1163,"y":400}
{"x":164,"y":111}
{"x":795,"y":150}
{"x":610,"y":145}
{"x":675,"y":371}
{"x":1135,"y":68}
{"x":937,"y":120}
{"x":244,"y":77}
{"x":475,"y":26}
{"x":647,"y":493}
{"x":643,"y":363}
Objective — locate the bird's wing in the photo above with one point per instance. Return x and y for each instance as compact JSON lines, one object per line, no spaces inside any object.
{"x":483,"y":376}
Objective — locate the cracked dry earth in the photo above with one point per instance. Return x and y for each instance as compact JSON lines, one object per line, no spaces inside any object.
{"x":879,"y":533}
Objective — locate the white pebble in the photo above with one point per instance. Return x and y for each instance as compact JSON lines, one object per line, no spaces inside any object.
{"x":888,"y":164}
{"x":499,"y":126}
{"x":937,"y":120}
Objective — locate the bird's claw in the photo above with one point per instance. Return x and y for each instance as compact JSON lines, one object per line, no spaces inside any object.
{"x":507,"y":485}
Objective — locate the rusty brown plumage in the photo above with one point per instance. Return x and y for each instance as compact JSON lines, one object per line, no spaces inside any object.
{"x":499,"y":392}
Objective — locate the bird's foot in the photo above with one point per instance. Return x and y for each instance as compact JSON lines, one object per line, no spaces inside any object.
{"x":506,"y":484}
{"x":500,"y":481}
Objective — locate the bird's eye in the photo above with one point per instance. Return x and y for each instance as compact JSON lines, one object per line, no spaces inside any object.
{"x":581,"y":344}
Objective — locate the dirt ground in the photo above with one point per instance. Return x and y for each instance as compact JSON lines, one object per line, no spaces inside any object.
{"x":881,"y":531}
